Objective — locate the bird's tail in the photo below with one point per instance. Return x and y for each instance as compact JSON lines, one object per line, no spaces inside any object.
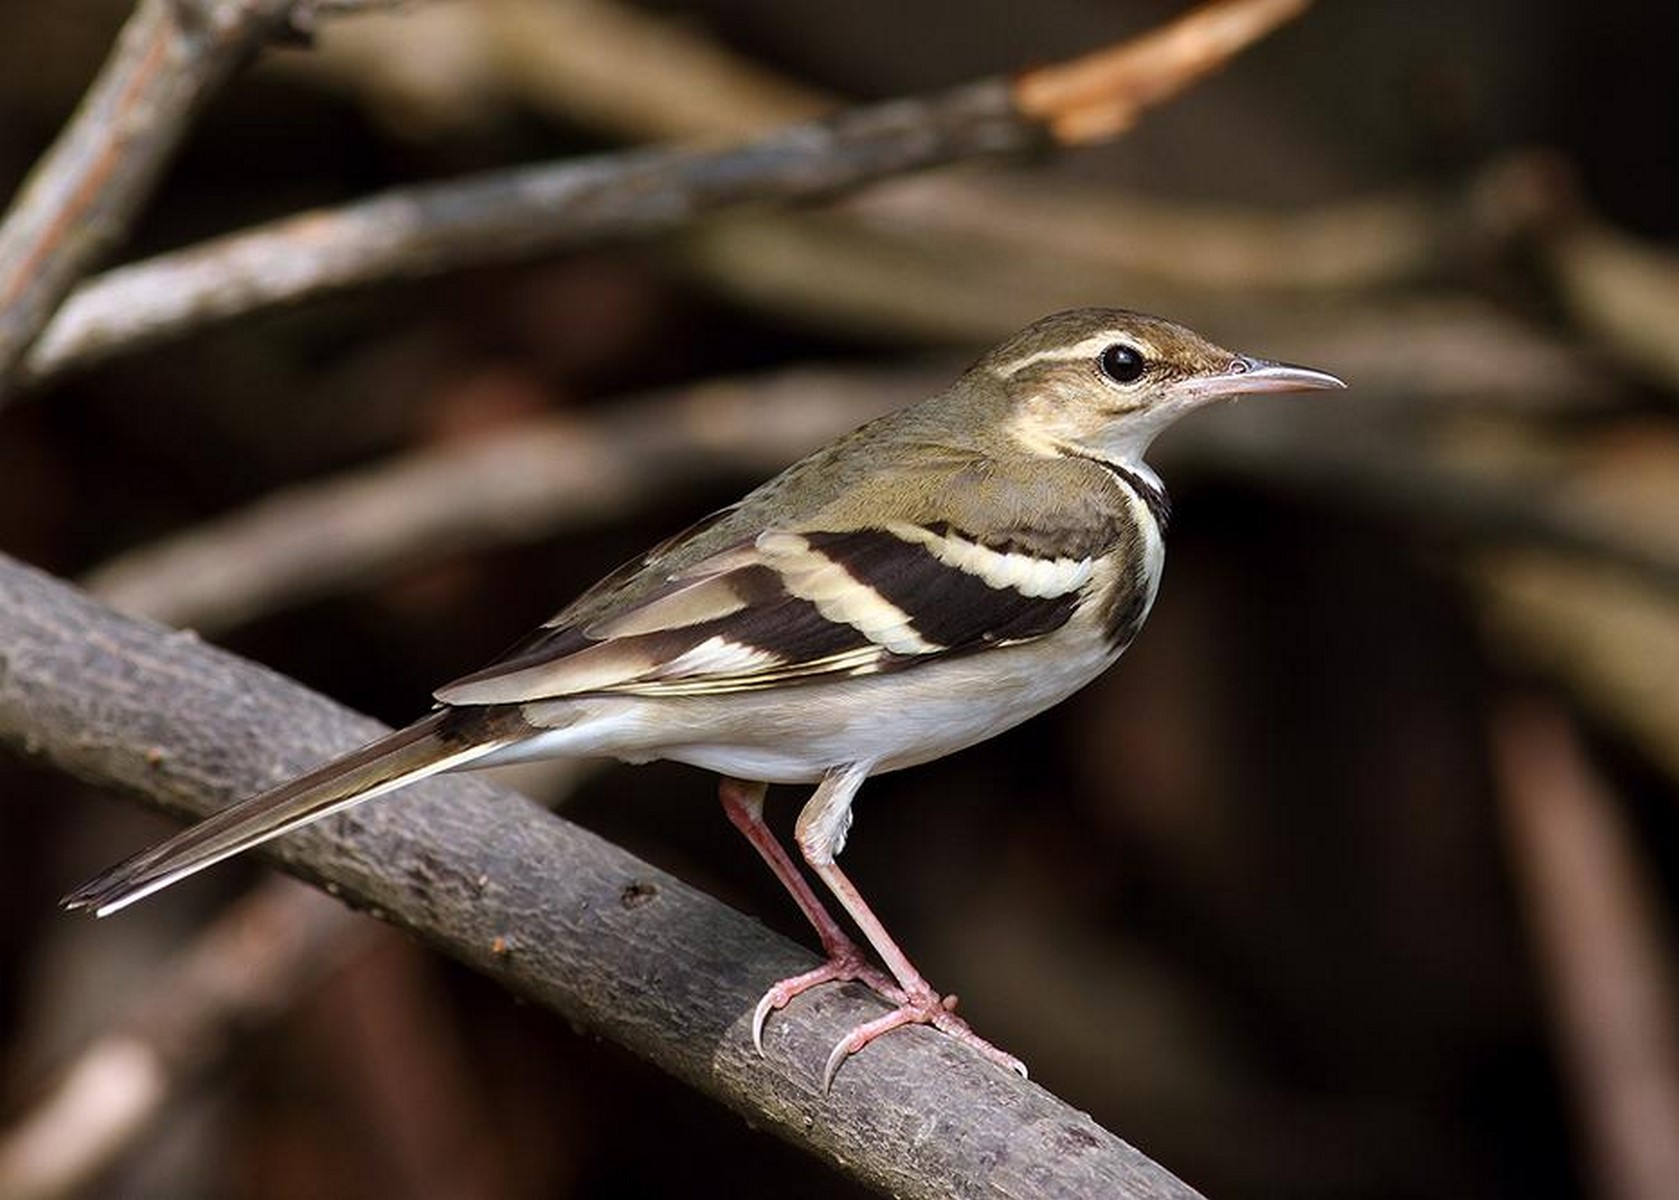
{"x":412,"y":753}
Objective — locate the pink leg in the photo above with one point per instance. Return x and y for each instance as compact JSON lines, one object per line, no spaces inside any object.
{"x":744,"y":805}
{"x":821,"y":831}
{"x":921,"y":1005}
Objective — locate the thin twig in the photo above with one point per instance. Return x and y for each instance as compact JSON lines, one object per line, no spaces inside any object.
{"x":560,"y":60}
{"x":546,"y":909}
{"x":1101,"y":95}
{"x":81,"y":198}
{"x":1594,"y":914}
{"x":520,"y":213}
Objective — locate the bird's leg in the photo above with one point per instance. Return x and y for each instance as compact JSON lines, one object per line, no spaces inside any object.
{"x":743,"y":803}
{"x":821,"y":830}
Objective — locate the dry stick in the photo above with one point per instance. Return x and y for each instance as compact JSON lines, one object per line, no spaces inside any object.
{"x":246,"y":968}
{"x":1101,"y":95}
{"x":562,"y":60}
{"x":1594,"y":913}
{"x":81,"y":198}
{"x":548,"y":910}
{"x":516,"y":214}
{"x":549,"y":57}
{"x":1158,"y":254}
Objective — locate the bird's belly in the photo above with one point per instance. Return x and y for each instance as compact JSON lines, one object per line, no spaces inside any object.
{"x":798,"y":734}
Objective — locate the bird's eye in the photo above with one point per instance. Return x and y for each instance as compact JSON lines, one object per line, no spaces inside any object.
{"x":1122,"y":363}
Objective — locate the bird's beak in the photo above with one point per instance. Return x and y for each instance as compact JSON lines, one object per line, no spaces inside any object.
{"x":1247,"y":376}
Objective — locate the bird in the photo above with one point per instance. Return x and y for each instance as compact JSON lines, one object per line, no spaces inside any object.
{"x":922,"y":583}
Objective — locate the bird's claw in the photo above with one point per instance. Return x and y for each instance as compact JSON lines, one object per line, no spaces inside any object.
{"x":844,"y":965}
{"x":926,"y":1009}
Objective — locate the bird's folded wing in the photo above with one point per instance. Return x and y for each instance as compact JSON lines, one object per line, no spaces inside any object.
{"x":787,"y":607}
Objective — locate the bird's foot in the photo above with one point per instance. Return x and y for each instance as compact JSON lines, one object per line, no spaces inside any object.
{"x":846,"y":963}
{"x":917,"y":1008}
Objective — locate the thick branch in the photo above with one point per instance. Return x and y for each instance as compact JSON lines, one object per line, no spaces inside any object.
{"x":548,"y":910}
{"x":514,"y":214}
{"x":81,"y":198}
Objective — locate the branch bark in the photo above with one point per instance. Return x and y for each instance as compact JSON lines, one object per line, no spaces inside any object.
{"x":548,"y":910}
{"x":519,"y":213}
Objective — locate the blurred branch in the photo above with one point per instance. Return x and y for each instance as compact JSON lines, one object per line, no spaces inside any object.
{"x":1594,"y":917}
{"x":514,"y":214}
{"x":566,"y":59}
{"x":516,"y":485}
{"x":1607,"y":633}
{"x":546,"y":476}
{"x":401,"y":1070}
{"x":1492,"y":482}
{"x":434,"y":69}
{"x":1101,"y":95}
{"x":547,"y":910}
{"x":1622,"y":291}
{"x":82,"y":196}
{"x":972,"y":257}
{"x":1610,"y":638}
{"x":250,"y":965}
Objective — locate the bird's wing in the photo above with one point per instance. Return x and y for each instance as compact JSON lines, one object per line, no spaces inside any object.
{"x":786,"y":606}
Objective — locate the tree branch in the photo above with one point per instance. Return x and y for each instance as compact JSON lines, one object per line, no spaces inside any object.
{"x":81,"y":198}
{"x":548,"y":910}
{"x":513,"y":214}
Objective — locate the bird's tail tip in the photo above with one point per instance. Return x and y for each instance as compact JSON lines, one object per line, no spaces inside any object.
{"x":113,"y":889}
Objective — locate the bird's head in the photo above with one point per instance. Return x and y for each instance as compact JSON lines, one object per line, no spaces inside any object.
{"x":1105,"y":381}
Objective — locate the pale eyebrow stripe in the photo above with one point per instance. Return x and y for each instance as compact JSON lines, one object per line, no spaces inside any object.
{"x":1089,"y":347}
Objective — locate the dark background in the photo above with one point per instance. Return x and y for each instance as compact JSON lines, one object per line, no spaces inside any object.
{"x":1248,"y":899}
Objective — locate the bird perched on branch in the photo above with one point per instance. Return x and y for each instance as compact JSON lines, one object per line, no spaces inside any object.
{"x":923,"y":583}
